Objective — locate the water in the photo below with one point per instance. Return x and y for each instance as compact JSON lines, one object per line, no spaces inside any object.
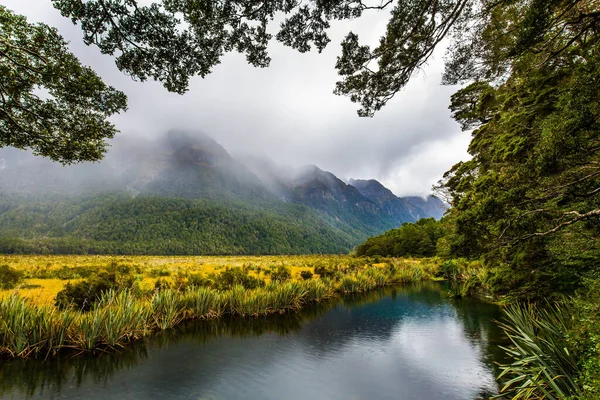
{"x":397,"y":343}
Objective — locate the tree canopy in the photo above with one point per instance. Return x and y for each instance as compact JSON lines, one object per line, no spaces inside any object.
{"x":49,"y":102}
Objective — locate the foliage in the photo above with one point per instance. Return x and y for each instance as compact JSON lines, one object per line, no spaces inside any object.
{"x":111,"y":317}
{"x":281,"y":274}
{"x":171,"y":41}
{"x":324,"y":270}
{"x":306,"y":275}
{"x":235,"y":276}
{"x":117,"y":224}
{"x":85,"y":294}
{"x":543,"y":366}
{"x":585,"y":335}
{"x":9,"y":277}
{"x":528,"y":199}
{"x":71,"y":124}
{"x":411,"y":239}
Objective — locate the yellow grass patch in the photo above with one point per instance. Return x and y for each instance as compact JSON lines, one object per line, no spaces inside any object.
{"x":41,"y":285}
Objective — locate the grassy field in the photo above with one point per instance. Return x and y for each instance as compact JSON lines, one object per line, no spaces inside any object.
{"x":94,"y":304}
{"x":44,"y":276}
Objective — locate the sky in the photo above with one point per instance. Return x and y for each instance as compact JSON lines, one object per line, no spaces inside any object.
{"x":288,"y":112}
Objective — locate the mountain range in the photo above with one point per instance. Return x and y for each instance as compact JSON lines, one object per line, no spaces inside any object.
{"x":185,"y":194}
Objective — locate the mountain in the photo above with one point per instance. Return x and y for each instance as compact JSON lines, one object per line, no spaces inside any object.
{"x":402,"y":209}
{"x":199,"y":167}
{"x":185,"y":194}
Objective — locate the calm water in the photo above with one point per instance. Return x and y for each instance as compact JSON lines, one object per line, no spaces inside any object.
{"x":398,"y":343}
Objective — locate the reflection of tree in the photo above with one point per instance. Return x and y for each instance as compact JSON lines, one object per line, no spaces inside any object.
{"x":373,"y":317}
{"x":478,"y":321}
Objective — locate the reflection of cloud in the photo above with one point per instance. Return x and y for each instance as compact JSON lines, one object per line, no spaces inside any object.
{"x":411,"y":348}
{"x":439,"y":348}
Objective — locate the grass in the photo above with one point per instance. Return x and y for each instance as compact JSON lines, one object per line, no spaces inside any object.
{"x":31,"y":326}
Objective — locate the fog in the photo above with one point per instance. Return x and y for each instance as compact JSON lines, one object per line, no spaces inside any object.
{"x":287,"y":112}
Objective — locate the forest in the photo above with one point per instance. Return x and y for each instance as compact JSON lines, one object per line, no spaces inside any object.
{"x":118,"y":224}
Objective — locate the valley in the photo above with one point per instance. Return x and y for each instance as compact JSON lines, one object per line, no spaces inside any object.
{"x":184,"y":194}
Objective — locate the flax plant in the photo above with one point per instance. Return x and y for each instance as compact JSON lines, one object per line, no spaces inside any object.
{"x":542,"y":367}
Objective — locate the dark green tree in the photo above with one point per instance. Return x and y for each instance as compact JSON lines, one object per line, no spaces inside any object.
{"x":530,"y":197}
{"x":49,"y":102}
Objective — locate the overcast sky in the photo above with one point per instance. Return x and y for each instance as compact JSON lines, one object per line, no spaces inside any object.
{"x":288,"y":112}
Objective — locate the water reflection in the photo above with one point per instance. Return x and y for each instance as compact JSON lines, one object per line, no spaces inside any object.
{"x":397,"y":343}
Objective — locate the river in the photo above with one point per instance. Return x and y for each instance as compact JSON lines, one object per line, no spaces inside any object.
{"x":408,"y":342}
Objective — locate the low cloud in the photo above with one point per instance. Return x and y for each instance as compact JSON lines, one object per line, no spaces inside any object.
{"x":287,"y":112}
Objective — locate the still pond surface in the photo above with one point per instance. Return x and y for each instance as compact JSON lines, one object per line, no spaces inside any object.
{"x":398,"y":343}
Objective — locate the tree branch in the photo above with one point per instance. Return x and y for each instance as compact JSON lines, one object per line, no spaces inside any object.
{"x":578,"y":217}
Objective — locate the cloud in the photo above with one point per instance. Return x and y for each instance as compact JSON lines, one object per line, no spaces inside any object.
{"x":288,"y":111}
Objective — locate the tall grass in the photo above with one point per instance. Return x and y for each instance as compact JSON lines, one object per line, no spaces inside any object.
{"x":124,"y":315}
{"x":542,"y":367}
{"x":26,"y":330}
{"x":203,"y":302}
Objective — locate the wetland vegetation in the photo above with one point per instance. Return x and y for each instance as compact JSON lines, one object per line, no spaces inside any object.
{"x":349,"y":346}
{"x":104,"y":303}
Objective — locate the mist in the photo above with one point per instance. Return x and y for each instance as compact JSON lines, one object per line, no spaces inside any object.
{"x":285,"y":113}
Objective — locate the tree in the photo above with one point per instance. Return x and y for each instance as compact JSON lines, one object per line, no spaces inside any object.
{"x":49,"y":101}
{"x":530,"y":197}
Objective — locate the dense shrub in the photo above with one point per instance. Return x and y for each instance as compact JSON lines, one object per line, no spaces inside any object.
{"x":306,"y":275}
{"x":197,"y":280}
{"x":235,"y":276}
{"x":448,"y":270}
{"x":83,"y":295}
{"x":585,"y":335}
{"x":66,"y":273}
{"x":411,"y":239}
{"x":281,"y":274}
{"x":9,"y":277}
{"x":162,"y":284}
{"x":325,"y":271}
{"x":159,"y":273}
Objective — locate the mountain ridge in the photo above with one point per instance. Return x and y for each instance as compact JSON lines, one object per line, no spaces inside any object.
{"x":195,"y":171}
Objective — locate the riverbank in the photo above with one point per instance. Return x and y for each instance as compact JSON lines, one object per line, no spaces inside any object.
{"x":128,"y":310}
{"x":348,"y":344}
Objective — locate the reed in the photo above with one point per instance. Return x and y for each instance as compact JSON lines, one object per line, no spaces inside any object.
{"x":126,"y":317}
{"x":168,"y":309}
{"x":318,"y":291}
{"x":203,"y":302}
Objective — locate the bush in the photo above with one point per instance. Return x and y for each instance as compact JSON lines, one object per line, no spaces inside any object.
{"x":9,"y":277}
{"x":162,"y":284}
{"x":543,"y":366}
{"x":306,"y":275}
{"x":235,"y":276}
{"x":281,"y":274}
{"x":448,"y":270}
{"x":66,"y":273}
{"x":159,"y":273}
{"x":85,"y":294}
{"x":585,"y":335}
{"x":325,"y":271}
{"x":197,"y":280}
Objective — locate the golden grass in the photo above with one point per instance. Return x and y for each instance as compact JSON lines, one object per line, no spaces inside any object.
{"x":36,"y":327}
{"x":148,"y":266}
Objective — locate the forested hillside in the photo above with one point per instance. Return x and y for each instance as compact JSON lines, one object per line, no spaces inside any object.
{"x":118,"y":224}
{"x":185,"y":194}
